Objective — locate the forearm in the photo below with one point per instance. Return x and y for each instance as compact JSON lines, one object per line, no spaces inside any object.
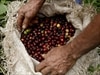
{"x":88,"y":39}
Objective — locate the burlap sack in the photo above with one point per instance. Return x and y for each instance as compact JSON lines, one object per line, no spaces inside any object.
{"x":18,"y":60}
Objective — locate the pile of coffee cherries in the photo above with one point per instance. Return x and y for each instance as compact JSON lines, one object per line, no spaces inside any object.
{"x":45,"y":34}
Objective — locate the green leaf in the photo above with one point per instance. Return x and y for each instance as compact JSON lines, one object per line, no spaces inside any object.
{"x":94,"y":3}
{"x":98,"y":67}
{"x":7,"y":2}
{"x":3,"y":8}
{"x":91,"y":68}
{"x":3,"y":1}
{"x":2,"y":17}
{"x":98,"y":51}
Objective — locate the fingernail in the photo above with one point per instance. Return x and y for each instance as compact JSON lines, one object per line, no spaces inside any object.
{"x":22,"y":30}
{"x":60,"y":71}
{"x":24,"y":27}
{"x":43,"y":55}
{"x":18,"y":28}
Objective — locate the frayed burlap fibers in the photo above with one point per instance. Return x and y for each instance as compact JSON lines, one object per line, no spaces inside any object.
{"x":17,"y":59}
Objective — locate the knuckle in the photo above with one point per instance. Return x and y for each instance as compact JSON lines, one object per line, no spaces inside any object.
{"x":37,"y":68}
{"x":28,"y":16}
{"x":43,"y":72}
{"x":20,"y":11}
{"x":58,"y":71}
{"x":61,"y":72}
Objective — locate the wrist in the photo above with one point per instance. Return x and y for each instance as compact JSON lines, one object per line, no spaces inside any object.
{"x":71,"y":51}
{"x":79,"y":47}
{"x":74,"y":49}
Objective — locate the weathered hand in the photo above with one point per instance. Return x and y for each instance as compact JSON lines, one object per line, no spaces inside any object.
{"x":57,"y":61}
{"x":27,"y":12}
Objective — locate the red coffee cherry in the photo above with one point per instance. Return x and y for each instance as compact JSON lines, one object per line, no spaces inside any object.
{"x":46,"y":33}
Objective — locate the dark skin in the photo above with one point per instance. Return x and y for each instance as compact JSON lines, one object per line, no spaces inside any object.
{"x":61,"y":59}
{"x":27,"y":13}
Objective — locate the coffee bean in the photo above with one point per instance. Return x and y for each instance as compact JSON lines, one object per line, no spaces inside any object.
{"x":45,"y":34}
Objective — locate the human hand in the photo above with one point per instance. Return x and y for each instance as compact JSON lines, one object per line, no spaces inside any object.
{"x":57,"y":61}
{"x":27,"y":12}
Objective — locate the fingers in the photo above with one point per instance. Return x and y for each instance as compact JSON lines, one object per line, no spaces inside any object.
{"x":26,"y":22}
{"x":46,"y":71}
{"x":20,"y":21}
{"x":54,"y":73}
{"x":23,"y":19}
{"x":41,"y":66}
